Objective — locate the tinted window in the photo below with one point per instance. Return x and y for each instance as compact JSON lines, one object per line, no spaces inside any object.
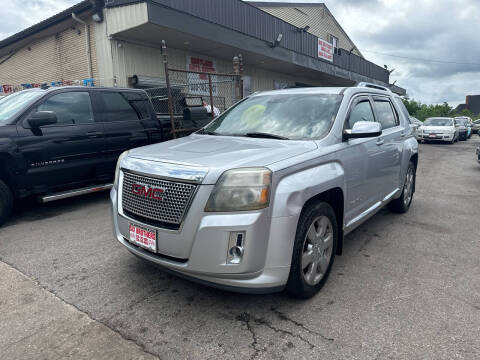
{"x":403,"y":109}
{"x":115,"y":107}
{"x":141,"y":108}
{"x":385,"y":114}
{"x":361,"y":112}
{"x":295,"y":116}
{"x":139,"y":102}
{"x":70,"y":107}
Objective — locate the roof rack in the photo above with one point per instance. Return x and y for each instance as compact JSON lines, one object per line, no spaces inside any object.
{"x":373,"y":86}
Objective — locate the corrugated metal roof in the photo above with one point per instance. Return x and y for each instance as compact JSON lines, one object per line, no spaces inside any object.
{"x":286,"y":3}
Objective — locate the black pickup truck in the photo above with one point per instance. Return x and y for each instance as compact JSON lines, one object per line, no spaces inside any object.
{"x":65,"y":141}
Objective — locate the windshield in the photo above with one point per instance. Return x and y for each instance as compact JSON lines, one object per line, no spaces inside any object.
{"x":461,"y":121}
{"x":12,"y":104}
{"x":438,"y":122}
{"x":291,"y":116}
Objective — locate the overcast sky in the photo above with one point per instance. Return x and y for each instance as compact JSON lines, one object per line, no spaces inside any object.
{"x":434,"y":30}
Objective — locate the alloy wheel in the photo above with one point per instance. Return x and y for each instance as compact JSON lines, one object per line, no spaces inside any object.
{"x":408,"y":187}
{"x":317,"y":250}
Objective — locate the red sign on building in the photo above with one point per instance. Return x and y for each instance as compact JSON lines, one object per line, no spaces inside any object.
{"x":325,"y":50}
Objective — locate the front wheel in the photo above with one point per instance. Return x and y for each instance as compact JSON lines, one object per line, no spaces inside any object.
{"x":402,"y":204}
{"x":313,"y":251}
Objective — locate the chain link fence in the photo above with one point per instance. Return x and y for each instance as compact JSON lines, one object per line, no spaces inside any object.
{"x":192,"y":95}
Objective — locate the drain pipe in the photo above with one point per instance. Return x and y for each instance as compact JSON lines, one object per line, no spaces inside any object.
{"x":87,"y":44}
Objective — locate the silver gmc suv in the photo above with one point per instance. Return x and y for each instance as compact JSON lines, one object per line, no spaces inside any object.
{"x":260,"y":199}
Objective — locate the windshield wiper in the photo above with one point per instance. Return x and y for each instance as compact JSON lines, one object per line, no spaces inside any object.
{"x":265,"y":135}
{"x":206,"y":132}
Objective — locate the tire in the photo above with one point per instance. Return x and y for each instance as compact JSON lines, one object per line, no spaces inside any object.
{"x":6,"y":202}
{"x":313,"y":251}
{"x":402,"y":204}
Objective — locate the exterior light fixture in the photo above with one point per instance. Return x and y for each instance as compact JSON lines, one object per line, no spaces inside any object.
{"x":304,"y":29}
{"x":277,"y":40}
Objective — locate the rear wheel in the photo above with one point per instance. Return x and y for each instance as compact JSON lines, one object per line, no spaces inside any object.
{"x":313,"y":251}
{"x":6,"y":202}
{"x":402,"y":204}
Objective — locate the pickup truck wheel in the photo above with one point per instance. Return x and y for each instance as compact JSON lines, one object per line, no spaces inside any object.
{"x":402,"y":204}
{"x":313,"y":251}
{"x":6,"y":202}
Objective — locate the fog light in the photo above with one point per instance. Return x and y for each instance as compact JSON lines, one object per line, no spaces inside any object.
{"x":236,"y":243}
{"x":236,"y":251}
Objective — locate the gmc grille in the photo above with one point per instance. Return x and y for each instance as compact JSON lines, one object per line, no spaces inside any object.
{"x":169,"y":210}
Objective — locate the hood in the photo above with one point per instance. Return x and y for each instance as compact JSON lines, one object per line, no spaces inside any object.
{"x":436,"y":128}
{"x":222,"y":152}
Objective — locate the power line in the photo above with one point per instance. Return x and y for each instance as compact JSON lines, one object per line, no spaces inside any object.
{"x":421,"y":59}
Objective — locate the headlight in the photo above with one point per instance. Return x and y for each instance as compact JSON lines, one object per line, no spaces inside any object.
{"x":117,"y":169}
{"x":241,"y":190}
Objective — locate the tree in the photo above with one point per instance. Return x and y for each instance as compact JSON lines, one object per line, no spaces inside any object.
{"x":466,"y":112}
{"x":411,"y":105}
{"x":423,"y":111}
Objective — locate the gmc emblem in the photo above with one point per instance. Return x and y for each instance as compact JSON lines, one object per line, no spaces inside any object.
{"x":148,"y":192}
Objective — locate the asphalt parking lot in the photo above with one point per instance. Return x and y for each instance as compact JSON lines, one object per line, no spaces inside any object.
{"x":407,"y":286}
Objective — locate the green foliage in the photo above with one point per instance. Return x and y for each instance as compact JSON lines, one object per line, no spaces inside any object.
{"x":466,"y":112}
{"x":423,"y":111}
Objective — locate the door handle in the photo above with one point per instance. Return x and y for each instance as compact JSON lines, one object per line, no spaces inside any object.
{"x":93,"y":134}
{"x":379,"y":142}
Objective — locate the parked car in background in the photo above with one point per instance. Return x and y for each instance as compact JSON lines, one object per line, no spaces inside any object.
{"x":438,"y":129}
{"x":65,"y":141}
{"x":476,"y":126}
{"x":414,"y":124}
{"x":260,"y":199}
{"x":460,"y":124}
{"x":466,"y":122}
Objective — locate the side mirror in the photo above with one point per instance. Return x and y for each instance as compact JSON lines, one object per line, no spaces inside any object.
{"x":42,"y":118}
{"x":363,"y":129}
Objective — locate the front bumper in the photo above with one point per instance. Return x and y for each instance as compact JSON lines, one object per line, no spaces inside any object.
{"x":198,"y":250}
{"x":438,"y":137}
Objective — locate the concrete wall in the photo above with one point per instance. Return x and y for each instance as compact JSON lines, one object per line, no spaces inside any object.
{"x":319,"y":18}
{"x":56,"y":57}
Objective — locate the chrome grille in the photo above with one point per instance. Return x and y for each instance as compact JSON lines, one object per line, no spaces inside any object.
{"x":176,"y":198}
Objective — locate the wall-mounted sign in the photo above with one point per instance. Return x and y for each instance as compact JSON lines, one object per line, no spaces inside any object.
{"x":198,"y":83}
{"x":325,"y":50}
